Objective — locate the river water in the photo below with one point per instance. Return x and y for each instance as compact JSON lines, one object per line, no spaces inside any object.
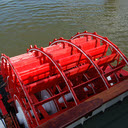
{"x":25,"y":22}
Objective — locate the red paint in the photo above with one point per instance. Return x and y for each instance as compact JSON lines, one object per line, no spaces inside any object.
{"x":2,"y":107}
{"x":79,"y":66}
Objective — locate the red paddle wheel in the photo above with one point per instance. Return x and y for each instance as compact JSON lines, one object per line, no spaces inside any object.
{"x":46,"y":83}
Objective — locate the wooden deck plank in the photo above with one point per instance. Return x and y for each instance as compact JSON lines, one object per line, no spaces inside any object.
{"x":69,"y":116}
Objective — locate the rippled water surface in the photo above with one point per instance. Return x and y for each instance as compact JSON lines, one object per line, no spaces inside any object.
{"x":25,"y":22}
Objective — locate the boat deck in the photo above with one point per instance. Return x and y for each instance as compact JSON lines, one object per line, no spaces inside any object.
{"x":85,"y":108}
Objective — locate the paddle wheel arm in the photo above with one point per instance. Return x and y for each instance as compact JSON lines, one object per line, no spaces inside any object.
{"x":105,"y":39}
{"x":6,"y":60}
{"x":60,"y":71}
{"x":87,"y":56}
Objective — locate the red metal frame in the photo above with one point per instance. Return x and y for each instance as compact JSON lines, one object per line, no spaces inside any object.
{"x":103,"y":39}
{"x":74,"y":66}
{"x":87,"y":56}
{"x":2,"y":107}
{"x":60,"y":71}
{"x":22,"y":86}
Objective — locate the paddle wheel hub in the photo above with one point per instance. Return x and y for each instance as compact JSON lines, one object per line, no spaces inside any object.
{"x":45,"y":83}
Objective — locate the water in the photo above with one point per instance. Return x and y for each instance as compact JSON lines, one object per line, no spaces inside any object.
{"x":25,"y":22}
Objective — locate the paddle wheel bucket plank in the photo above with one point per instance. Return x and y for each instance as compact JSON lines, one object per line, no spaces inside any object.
{"x":47,"y":83}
